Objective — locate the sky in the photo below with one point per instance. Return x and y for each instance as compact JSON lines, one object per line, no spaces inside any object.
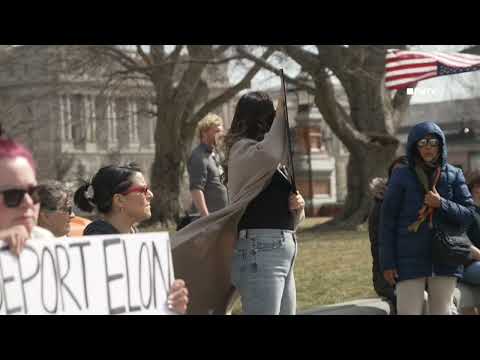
{"x":459,"y":86}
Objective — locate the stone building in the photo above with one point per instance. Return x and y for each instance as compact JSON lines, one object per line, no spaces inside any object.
{"x":74,"y":125}
{"x":320,"y":158}
{"x":460,"y":120}
{"x":69,"y":119}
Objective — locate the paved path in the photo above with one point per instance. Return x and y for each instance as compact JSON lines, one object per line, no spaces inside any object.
{"x":359,"y":307}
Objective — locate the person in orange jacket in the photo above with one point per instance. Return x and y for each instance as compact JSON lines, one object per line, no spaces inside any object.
{"x":77,"y":226}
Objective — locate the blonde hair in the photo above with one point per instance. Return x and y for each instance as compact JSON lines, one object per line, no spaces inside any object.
{"x":208,"y":122}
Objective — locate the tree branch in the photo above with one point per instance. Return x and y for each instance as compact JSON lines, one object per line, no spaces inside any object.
{"x":267,"y":66}
{"x":144,"y":56}
{"x":306,"y":59}
{"x":221,"y":49}
{"x":232,"y":91}
{"x":119,"y":56}
{"x":334,"y":114}
{"x":191,"y":76}
{"x":175,"y":54}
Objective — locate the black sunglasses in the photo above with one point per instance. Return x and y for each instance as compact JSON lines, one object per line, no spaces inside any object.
{"x":12,"y":198}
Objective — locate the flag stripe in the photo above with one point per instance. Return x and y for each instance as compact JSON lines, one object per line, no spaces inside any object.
{"x":408,"y":57}
{"x":455,"y":61}
{"x":460,"y":58}
{"x":410,"y":79}
{"x":437,"y":56}
{"x":407,"y":76}
{"x":412,"y":66}
{"x":408,"y":67}
{"x":410,"y":62}
{"x":422,"y":69}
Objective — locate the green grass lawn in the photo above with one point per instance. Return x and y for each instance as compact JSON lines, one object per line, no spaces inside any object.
{"x":331,"y":267}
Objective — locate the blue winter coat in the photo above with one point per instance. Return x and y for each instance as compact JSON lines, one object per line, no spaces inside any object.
{"x":410,"y":252}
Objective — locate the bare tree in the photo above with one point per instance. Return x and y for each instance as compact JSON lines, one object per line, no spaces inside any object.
{"x":367,"y":125}
{"x":183,"y":96}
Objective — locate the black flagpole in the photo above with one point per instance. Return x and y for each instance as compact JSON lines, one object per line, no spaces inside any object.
{"x":289,"y":136}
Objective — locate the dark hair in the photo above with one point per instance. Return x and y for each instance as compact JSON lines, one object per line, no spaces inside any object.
{"x":253,"y":118}
{"x":401,"y":160}
{"x":51,"y":194}
{"x":108,"y":181}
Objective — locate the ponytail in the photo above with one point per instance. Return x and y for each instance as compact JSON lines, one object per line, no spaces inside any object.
{"x":81,"y":200}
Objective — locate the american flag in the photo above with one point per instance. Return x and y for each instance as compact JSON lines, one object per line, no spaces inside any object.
{"x":406,"y":68}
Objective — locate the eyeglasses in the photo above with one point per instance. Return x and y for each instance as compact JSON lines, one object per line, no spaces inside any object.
{"x":67,"y":210}
{"x":138,"y":189}
{"x":430,"y":142}
{"x":12,"y":198}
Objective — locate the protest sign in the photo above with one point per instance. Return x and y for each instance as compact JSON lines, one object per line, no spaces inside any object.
{"x":108,"y":274}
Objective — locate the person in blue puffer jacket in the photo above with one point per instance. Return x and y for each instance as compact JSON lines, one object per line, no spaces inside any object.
{"x":405,"y":243}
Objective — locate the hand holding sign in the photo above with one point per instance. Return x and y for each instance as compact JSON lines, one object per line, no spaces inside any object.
{"x":15,"y":237}
{"x":109,"y":274}
{"x":178,"y":298}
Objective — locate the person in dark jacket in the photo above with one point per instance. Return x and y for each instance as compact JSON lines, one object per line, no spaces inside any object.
{"x":471,"y":274}
{"x":122,"y":197}
{"x":378,"y":187}
{"x":426,"y":193}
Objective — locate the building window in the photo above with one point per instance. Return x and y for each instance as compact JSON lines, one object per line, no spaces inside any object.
{"x":475,"y":161}
{"x":319,"y":187}
{"x":78,"y":128}
{"x":316,"y":144}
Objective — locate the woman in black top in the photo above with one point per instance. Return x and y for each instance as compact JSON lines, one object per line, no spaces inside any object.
{"x":122,"y":197}
{"x":262,"y":266}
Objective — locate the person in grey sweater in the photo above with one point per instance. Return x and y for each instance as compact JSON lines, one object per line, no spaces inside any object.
{"x":208,"y":192}
{"x":233,"y":248}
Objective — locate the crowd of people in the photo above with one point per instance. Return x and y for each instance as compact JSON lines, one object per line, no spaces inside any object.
{"x":245,"y":208}
{"x":31,"y":211}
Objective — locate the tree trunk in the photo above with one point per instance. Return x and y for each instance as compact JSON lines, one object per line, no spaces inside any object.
{"x":362,"y":167}
{"x":168,"y":168}
{"x":367,"y":132}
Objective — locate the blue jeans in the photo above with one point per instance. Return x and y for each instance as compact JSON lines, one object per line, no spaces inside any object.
{"x":262,"y":271}
{"x":471,"y":275}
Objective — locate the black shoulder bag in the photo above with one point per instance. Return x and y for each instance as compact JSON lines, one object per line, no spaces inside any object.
{"x":451,"y":245}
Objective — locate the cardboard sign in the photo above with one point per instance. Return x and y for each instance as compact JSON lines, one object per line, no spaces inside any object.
{"x":101,"y":275}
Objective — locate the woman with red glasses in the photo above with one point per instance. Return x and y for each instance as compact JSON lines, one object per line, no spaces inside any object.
{"x":19,"y":200}
{"x":121,"y":196}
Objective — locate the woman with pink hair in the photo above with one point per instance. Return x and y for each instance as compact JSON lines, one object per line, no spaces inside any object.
{"x":19,"y":201}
